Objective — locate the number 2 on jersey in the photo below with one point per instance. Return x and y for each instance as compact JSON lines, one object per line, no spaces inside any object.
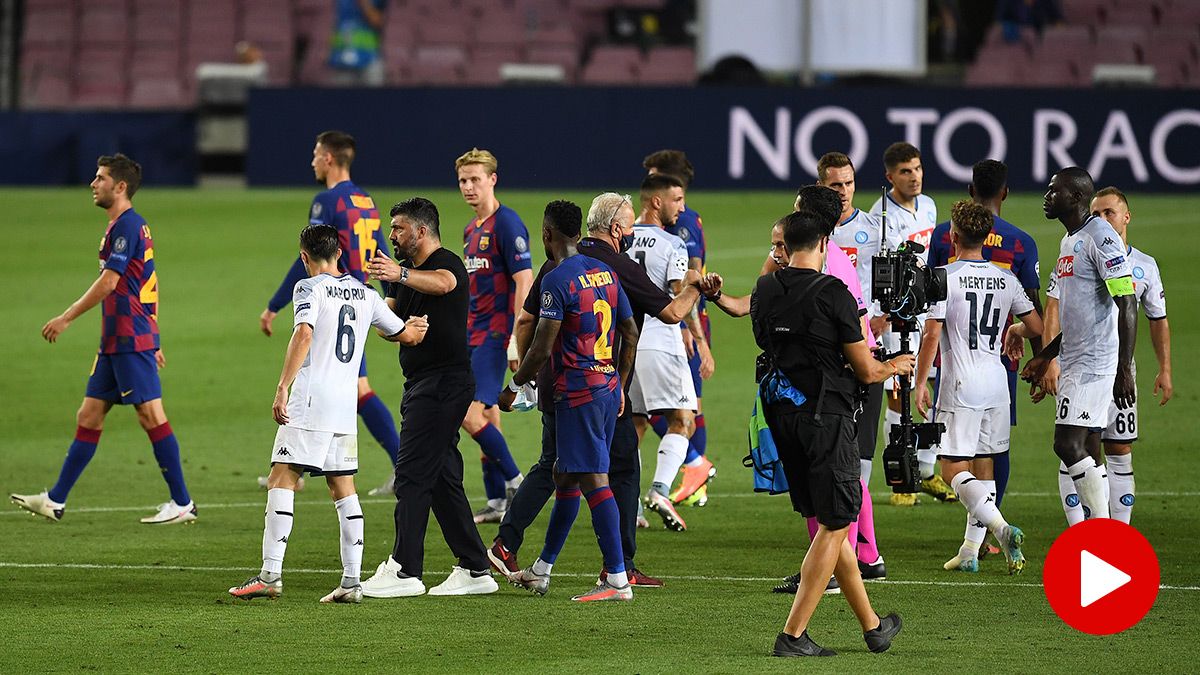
{"x":603,"y":312}
{"x":987,"y":324}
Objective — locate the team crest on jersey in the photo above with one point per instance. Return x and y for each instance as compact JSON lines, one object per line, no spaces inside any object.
{"x":484,"y":242}
{"x":1139,"y":273}
{"x":547,"y":299}
{"x":521,"y":244}
{"x":861,"y":237}
{"x":1065,"y":267}
{"x":120,"y":245}
{"x":1078,"y":246}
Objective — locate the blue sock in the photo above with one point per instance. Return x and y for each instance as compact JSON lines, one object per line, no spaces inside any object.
{"x":78,"y":455}
{"x":700,"y":436}
{"x":493,"y":482}
{"x":166,"y":451}
{"x":492,"y":442}
{"x":378,"y":418}
{"x":659,"y":424}
{"x":562,"y":517}
{"x":1000,"y":472}
{"x":606,"y":521}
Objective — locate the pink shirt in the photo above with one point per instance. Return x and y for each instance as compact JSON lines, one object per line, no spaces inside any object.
{"x":838,"y":264}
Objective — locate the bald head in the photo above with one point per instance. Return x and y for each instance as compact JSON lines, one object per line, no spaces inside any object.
{"x":1076,"y":179}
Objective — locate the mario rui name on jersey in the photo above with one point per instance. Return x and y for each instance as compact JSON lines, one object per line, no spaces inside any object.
{"x":341,"y":293}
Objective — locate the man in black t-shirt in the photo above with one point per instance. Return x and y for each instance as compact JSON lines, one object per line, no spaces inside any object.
{"x":807,"y":324}
{"x":609,"y":225}
{"x":438,"y":388}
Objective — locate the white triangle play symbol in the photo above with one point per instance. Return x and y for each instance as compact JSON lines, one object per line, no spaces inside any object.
{"x":1097,"y":578}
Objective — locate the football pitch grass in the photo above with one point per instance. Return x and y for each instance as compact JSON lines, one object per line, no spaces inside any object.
{"x":99,"y":591}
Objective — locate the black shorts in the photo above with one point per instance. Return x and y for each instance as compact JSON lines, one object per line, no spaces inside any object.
{"x":820,"y":460}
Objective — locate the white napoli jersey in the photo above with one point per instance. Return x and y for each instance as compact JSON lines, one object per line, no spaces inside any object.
{"x":341,"y":311}
{"x":859,"y":236}
{"x":904,"y":225}
{"x":1087,"y":259}
{"x":665,"y":259}
{"x":979,"y":298}
{"x":1147,"y":284}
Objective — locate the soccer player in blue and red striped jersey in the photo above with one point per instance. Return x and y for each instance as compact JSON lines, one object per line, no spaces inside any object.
{"x":496,"y":253}
{"x":125,"y":371}
{"x":583,"y":309}
{"x":697,"y":469}
{"x":1012,"y":249}
{"x":351,"y":210}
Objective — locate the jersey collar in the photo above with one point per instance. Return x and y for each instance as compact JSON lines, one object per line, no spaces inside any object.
{"x":852,"y":217}
{"x":916,"y":202}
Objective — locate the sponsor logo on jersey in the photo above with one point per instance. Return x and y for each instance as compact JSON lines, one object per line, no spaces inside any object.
{"x":1085,"y":416}
{"x":852,"y":254}
{"x":303,"y":307}
{"x":1065,"y":267}
{"x":474,"y":263}
{"x":283,"y":452}
{"x":362,"y":202}
{"x":1139,"y":273}
{"x":1114,"y":262}
{"x":1108,"y":242}
{"x":484,"y":242}
{"x":924,"y":236}
{"x":1078,"y":246}
{"x":521,"y":244}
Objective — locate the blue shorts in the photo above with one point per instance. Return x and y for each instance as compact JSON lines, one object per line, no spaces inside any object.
{"x":489,"y":362}
{"x":1012,"y":398}
{"x":584,"y":434}
{"x":128,"y":378}
{"x":362,"y":367}
{"x":694,"y":364}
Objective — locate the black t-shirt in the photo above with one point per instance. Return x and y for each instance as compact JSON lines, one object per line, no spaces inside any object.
{"x":805,"y":333}
{"x":644,"y":297}
{"x":533,"y":305}
{"x":444,"y":348}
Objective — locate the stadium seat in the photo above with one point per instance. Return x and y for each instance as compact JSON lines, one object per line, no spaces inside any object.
{"x":157,"y":93}
{"x":103,"y":25}
{"x":565,"y":56}
{"x":446,"y":29}
{"x":668,"y":65}
{"x":49,"y":25}
{"x":45,"y":92}
{"x":1127,"y":15}
{"x":1053,"y":74}
{"x":157,"y":21}
{"x":559,"y":35}
{"x":438,"y":64}
{"x":1085,"y":12}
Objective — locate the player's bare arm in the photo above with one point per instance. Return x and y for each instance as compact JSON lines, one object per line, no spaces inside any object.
{"x":929,"y":347}
{"x":297,"y":352}
{"x":870,"y":371}
{"x":412,"y":334}
{"x":435,"y":282}
{"x":734,"y":306}
{"x":535,"y":357}
{"x":522,"y":282}
{"x":1125,"y":388}
{"x":684,"y":301}
{"x":100,"y":289}
{"x":1160,"y":337}
{"x":523,"y":333}
{"x":629,"y":339}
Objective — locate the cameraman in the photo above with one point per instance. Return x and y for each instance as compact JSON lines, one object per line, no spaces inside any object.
{"x":808,"y":328}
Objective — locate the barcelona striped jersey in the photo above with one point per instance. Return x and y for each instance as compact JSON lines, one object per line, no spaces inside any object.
{"x":129,"y":318}
{"x":494,"y":249}
{"x":585,"y":295}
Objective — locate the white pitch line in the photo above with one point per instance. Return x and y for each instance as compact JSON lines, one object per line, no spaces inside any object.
{"x":386,"y":500}
{"x":195,"y":568}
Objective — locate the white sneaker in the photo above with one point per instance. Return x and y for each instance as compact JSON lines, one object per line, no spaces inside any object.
{"x":40,"y":505}
{"x":262,"y":483}
{"x":489,"y":514}
{"x":171,"y":513}
{"x":465,"y":582}
{"x":389,"y":582}
{"x":511,"y":487}
{"x":353,"y":595}
{"x":387,"y":489}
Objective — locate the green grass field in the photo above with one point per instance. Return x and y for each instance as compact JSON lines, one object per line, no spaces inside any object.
{"x":99,"y":591}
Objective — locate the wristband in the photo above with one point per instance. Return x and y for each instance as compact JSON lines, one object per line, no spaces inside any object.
{"x":716,"y":296}
{"x":513,"y":386}
{"x":404,"y":272}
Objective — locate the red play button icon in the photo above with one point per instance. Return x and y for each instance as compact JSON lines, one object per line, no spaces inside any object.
{"x":1101,"y":576}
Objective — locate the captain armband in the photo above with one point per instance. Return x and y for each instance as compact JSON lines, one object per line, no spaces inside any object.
{"x":1120,"y":286}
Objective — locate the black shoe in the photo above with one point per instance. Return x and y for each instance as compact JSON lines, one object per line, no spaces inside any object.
{"x":790,"y":585}
{"x":786,"y":645}
{"x":880,"y":639}
{"x":874,"y":571}
{"x":833,"y":587}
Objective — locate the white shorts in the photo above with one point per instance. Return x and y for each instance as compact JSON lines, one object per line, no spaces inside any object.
{"x":1084,"y":400}
{"x":661,"y":381}
{"x":316,"y":452}
{"x":973,"y":433}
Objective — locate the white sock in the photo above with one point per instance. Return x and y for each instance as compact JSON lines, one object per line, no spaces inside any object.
{"x":671,"y":451}
{"x":979,"y":500}
{"x":864,"y":470}
{"x":1068,"y":497}
{"x":976,"y":531}
{"x":498,"y":504}
{"x":515,"y":482}
{"x":927,"y":462}
{"x":350,"y":521}
{"x":1120,"y":487}
{"x":618,"y":580}
{"x":1104,"y":475}
{"x":276,"y":530}
{"x":1090,"y":484}
{"x":541,"y":567}
{"x":890,"y":417}
{"x":695,"y":462}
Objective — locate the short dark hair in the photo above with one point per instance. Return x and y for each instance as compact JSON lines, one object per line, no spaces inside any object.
{"x":420,"y":211}
{"x":989,"y":178}
{"x":320,"y":241}
{"x":825,"y":202}
{"x":122,"y":168}
{"x":674,"y":162}
{"x":1114,"y":191}
{"x":972,"y":221}
{"x":339,"y":144}
{"x":564,"y":217}
{"x":803,"y":229}
{"x":832,"y":160}
{"x":657,"y":182}
{"x":899,"y":153}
